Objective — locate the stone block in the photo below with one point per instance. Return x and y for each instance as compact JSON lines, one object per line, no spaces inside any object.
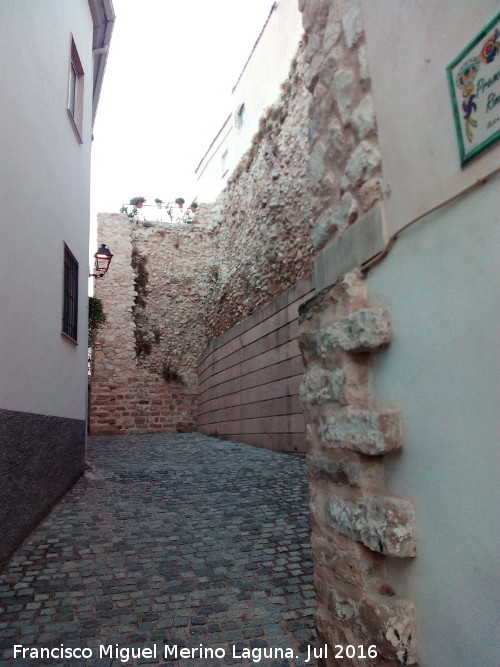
{"x":334,"y":220}
{"x":343,"y":473}
{"x":321,"y":386}
{"x":392,"y":624}
{"x":333,"y":29}
{"x":363,"y":64}
{"x":352,"y":23}
{"x":382,"y":524}
{"x":365,"y":431}
{"x":353,"y":473}
{"x":363,"y":117}
{"x":364,"y":330}
{"x":371,"y":192}
{"x":357,"y":244}
{"x":362,"y":164}
{"x":343,"y":84}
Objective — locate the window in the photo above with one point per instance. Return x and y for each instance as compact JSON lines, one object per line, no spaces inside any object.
{"x":240,"y":116}
{"x":75,"y":90}
{"x":224,"y":163}
{"x":73,"y":78}
{"x":70,"y":300}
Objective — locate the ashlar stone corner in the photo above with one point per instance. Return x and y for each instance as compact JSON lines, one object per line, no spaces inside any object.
{"x":392,"y":624}
{"x":364,"y":431}
{"x":382,"y":524}
{"x":321,"y":386}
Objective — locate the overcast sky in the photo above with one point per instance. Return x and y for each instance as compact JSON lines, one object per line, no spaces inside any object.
{"x":171,"y":67}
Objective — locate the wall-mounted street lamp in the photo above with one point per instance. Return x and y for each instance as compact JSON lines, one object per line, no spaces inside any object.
{"x":102,"y":261}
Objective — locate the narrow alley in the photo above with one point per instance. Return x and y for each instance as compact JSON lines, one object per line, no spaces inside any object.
{"x":177,"y":540}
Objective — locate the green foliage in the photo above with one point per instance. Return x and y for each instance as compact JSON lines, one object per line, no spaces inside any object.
{"x":169,"y":373}
{"x":97,"y":318}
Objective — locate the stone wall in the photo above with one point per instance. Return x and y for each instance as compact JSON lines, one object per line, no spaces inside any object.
{"x":249,"y":378}
{"x":345,"y":163}
{"x":174,"y":287}
{"x":145,"y":361}
{"x":262,"y":221}
{"x":354,"y":522}
{"x":312,"y":168}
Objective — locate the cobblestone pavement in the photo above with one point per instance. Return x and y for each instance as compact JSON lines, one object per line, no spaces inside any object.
{"x":170,"y":540}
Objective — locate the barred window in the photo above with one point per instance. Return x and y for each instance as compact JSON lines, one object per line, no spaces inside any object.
{"x":70,"y":302}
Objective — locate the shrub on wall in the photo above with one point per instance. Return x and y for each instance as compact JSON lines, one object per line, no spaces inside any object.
{"x":97,"y":318}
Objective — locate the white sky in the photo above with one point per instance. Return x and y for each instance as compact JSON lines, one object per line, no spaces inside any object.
{"x":166,"y":93}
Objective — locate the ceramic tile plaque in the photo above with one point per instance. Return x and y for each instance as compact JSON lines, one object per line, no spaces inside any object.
{"x":474,"y":80}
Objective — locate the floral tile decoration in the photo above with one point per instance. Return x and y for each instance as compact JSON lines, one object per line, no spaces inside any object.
{"x":474,"y":80}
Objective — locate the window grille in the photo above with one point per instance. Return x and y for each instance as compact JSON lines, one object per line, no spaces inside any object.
{"x":70,"y":303}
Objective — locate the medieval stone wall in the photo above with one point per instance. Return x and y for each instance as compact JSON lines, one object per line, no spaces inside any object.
{"x":145,"y":361}
{"x":263,"y":220}
{"x":354,"y":521}
{"x":345,"y":159}
{"x":174,"y":287}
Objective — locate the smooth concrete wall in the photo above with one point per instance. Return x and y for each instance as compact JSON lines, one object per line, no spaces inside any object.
{"x":409,"y":45}
{"x":249,"y":378}
{"x":44,"y":189}
{"x":440,"y":286}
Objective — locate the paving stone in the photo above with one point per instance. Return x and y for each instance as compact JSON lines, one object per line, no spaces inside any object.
{"x":177,"y":538}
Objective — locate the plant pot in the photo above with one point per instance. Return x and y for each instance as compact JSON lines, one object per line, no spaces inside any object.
{"x":180,"y":204}
{"x":193,"y":208}
{"x":139,"y":204}
{"x":158,"y":205}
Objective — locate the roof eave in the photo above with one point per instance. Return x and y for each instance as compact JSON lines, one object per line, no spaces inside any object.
{"x":103,"y":17}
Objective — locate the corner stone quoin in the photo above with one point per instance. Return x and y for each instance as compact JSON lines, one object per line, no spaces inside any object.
{"x":364,"y":431}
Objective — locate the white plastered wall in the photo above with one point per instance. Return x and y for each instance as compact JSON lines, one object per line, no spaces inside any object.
{"x":258,"y":88}
{"x":409,"y":45}
{"x":44,"y":186}
{"x":439,"y":283}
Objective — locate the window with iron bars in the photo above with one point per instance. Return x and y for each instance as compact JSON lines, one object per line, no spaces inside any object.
{"x":70,"y":302}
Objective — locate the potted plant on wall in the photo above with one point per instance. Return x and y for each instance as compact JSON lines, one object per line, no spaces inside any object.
{"x":138,"y":201}
{"x":158,"y":202}
{"x":180,"y":202}
{"x":194,"y":206}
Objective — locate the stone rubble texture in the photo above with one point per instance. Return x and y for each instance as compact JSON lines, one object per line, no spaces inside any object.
{"x":168,"y":539}
{"x":344,"y":154}
{"x":355,"y":521}
{"x":382,"y":524}
{"x":313,"y":170}
{"x":242,"y":251}
{"x":151,"y":328}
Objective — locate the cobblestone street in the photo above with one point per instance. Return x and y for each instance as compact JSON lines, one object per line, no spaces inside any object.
{"x":169,"y":539}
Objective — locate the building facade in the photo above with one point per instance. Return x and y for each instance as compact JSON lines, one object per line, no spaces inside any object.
{"x":257,"y":88}
{"x":53,"y":57}
{"x":399,"y":390}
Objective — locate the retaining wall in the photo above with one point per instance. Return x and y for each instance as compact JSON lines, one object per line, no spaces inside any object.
{"x":249,"y":377}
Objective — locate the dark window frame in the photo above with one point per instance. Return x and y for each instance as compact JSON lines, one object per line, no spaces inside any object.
{"x":75,"y":91}
{"x":70,"y":296}
{"x":240,"y":115}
